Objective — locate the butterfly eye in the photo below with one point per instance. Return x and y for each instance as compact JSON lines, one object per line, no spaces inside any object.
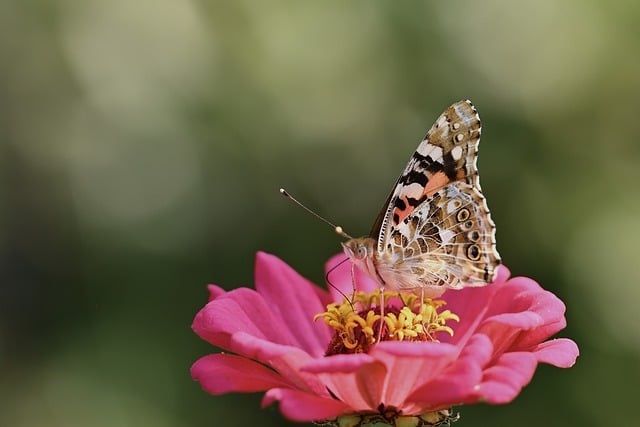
{"x":361,"y":252}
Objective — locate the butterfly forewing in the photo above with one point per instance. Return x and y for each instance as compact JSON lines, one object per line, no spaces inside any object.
{"x":435,"y":230}
{"x":447,"y":153}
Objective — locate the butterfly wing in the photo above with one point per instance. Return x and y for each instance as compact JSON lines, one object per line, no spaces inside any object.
{"x":448,"y":241}
{"x":436,"y":229}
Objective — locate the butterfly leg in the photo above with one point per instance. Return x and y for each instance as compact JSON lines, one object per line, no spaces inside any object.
{"x":381,"y":313}
{"x":424,"y":326}
{"x":353,"y":281}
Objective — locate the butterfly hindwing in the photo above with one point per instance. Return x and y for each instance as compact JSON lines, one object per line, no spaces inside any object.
{"x":447,"y":241}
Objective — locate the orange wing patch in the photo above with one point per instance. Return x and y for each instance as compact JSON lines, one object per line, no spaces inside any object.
{"x":414,"y":194}
{"x":436,"y":182}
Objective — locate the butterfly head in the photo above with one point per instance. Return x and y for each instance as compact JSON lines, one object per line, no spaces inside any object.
{"x":362,"y":253}
{"x":358,"y":249}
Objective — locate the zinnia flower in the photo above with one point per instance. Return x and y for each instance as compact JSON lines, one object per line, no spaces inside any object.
{"x":471,"y":345}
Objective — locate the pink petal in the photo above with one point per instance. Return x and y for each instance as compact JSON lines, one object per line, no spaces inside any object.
{"x":516,"y":314}
{"x":240,"y":310}
{"x":560,"y":352}
{"x":215,"y":291}
{"x":430,"y":350}
{"x":503,"y":381}
{"x":472,"y":305}
{"x":522,"y":315}
{"x":454,"y":385}
{"x":370,"y":384}
{"x":355,"y":379}
{"x":340,"y":363}
{"x":295,"y":299}
{"x":288,"y":361}
{"x":224,"y":373}
{"x":304,"y":407}
{"x":521,"y":320}
{"x":262,"y":349}
{"x":411,"y":365}
{"x":503,"y":274}
{"x":388,"y":374}
{"x":520,"y":295}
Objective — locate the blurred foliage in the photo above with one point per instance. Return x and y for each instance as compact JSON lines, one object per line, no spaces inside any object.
{"x":142,"y":145}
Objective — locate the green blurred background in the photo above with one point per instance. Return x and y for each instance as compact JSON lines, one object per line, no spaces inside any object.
{"x":142,"y":145}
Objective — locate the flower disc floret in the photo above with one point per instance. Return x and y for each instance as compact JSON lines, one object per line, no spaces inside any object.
{"x":357,"y":325}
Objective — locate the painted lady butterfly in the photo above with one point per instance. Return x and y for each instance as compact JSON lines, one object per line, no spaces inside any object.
{"x":435,"y":231}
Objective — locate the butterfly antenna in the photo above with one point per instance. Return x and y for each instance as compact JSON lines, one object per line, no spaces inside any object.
{"x":336,"y":228}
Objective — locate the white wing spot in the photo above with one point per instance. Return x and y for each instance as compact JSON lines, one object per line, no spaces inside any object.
{"x":456,"y":153}
{"x":459,"y":137}
{"x":413,"y":190}
{"x":456,"y":126}
{"x":427,"y":149}
{"x":446,"y":236}
{"x":453,"y":205}
{"x":442,"y":121}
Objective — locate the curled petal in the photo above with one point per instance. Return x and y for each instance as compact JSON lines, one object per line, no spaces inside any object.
{"x":502,"y":382}
{"x":411,"y":365}
{"x":215,"y":291}
{"x":241,"y":310}
{"x":304,"y":407}
{"x":286,"y":360}
{"x":457,"y":382}
{"x":560,"y":352}
{"x":224,"y":373}
{"x":355,"y":379}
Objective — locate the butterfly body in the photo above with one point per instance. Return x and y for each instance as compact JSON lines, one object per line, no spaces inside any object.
{"x":435,"y":232}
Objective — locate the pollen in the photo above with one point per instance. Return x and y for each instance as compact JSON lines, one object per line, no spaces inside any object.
{"x":358,"y":322}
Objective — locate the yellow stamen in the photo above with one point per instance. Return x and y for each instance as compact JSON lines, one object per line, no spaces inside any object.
{"x":358,"y":322}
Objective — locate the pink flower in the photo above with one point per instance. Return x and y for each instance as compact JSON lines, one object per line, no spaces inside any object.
{"x":274,"y":345}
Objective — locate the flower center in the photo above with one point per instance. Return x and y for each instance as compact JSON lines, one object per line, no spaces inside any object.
{"x":358,"y":324}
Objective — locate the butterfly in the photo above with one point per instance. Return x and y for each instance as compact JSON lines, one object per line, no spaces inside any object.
{"x":435,"y":231}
